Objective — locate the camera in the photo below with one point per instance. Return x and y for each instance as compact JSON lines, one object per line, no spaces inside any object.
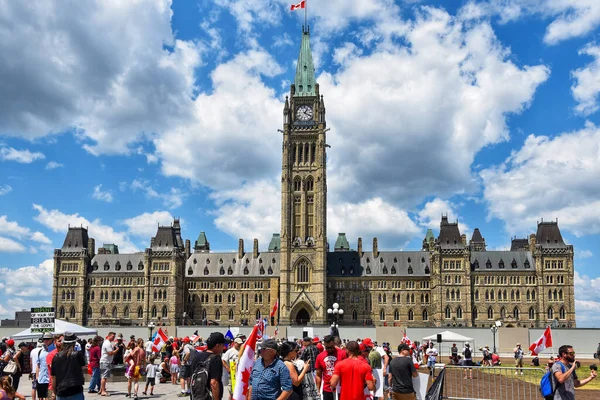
{"x":594,"y":367}
{"x":577,"y":365}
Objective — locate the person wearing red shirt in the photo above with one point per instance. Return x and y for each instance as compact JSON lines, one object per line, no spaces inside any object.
{"x":352,"y":374}
{"x":94,"y":386}
{"x":58,"y":343}
{"x":325,"y":365}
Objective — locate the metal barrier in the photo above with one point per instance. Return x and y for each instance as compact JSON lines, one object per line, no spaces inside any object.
{"x":506,"y":383}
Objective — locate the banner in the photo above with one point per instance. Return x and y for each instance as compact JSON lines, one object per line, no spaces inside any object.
{"x":42,"y":319}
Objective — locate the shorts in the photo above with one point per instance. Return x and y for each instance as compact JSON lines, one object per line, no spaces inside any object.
{"x":104,"y":370}
{"x":468,"y":363}
{"x":184,"y":372}
{"x":42,"y":390}
{"x":150,"y":381}
{"x":174,"y":369}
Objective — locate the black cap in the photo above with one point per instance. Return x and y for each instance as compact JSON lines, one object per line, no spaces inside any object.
{"x":269,"y":344}
{"x":22,"y":344}
{"x":216,"y":338}
{"x":132,"y":337}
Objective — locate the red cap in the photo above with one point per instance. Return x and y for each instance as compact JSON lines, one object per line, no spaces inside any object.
{"x":316,"y":339}
{"x":368,"y":342}
{"x":186,"y":339}
{"x":362,"y":347}
{"x":10,"y":342}
{"x":320,"y":347}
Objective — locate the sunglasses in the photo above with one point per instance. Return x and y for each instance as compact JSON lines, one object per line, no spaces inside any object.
{"x":571,"y":353}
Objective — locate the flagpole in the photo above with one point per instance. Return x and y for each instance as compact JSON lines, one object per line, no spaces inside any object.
{"x":306,"y":15}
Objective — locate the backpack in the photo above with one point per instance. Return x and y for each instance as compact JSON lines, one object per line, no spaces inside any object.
{"x":547,"y":388}
{"x":467,"y":353}
{"x":200,"y":382}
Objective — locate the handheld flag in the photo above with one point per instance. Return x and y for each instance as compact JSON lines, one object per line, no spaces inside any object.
{"x":298,"y":6}
{"x":159,"y":341}
{"x":275,"y":307}
{"x":542,"y":343}
{"x":244,"y":367}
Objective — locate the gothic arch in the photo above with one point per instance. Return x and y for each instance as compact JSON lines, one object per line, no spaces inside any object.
{"x":301,"y":309}
{"x":302,"y":270}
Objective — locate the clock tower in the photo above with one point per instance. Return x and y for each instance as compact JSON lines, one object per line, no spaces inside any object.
{"x":304,"y":198}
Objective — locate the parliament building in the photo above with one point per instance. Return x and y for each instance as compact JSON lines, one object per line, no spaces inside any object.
{"x":450,"y":281}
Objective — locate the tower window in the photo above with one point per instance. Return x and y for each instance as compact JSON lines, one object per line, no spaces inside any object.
{"x":302,"y":273}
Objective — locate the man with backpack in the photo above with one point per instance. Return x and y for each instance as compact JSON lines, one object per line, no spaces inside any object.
{"x":565,"y":377}
{"x":468,"y":360}
{"x":518,"y":358}
{"x":185,"y":371}
{"x":207,"y":369}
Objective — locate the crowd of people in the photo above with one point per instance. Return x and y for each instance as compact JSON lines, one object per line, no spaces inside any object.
{"x":302,"y":369}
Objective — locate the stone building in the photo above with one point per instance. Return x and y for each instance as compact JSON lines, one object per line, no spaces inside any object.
{"x":449,"y":282}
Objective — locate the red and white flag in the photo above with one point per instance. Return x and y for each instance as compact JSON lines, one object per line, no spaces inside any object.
{"x":542,"y":343}
{"x":159,"y":341}
{"x":298,"y":6}
{"x":275,"y":307}
{"x":407,"y":341}
{"x":244,"y":367}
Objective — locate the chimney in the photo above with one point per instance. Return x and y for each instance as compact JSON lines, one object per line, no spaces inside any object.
{"x":188,"y":248}
{"x":532,"y":242}
{"x":375,"y":248}
{"x":91,"y":247}
{"x":152,"y":242}
{"x":360,"y":252}
{"x":255,"y":249}
{"x":463,"y":238}
{"x":241,"y":248}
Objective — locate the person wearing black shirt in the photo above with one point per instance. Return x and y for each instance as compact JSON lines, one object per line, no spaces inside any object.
{"x":402,"y":370}
{"x":67,"y":374}
{"x":215,"y":345}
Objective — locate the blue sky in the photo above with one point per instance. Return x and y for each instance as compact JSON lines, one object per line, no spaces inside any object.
{"x":121,"y":116}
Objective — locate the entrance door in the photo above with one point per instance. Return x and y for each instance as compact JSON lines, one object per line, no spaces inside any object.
{"x":303,"y":317}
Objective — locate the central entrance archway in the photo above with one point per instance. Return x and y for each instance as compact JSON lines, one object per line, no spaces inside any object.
{"x":302,"y":317}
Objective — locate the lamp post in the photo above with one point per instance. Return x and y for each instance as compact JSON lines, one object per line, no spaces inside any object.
{"x":494,"y":329}
{"x":151,"y":326}
{"x":335,"y":311}
{"x":184,"y":317}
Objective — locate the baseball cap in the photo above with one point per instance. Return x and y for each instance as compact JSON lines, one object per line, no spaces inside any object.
{"x":120,"y":336}
{"x":238,"y":340}
{"x":316,"y":339}
{"x":22,"y":344}
{"x":186,"y":339}
{"x":362,"y":347}
{"x":10,"y":342}
{"x":132,"y":337}
{"x":307,"y":339}
{"x":368,"y":342}
{"x":216,"y":338}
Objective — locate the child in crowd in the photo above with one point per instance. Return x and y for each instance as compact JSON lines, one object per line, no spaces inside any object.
{"x":175,"y":367}
{"x":151,"y":369}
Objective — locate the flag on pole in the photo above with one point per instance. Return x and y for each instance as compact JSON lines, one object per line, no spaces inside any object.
{"x":406,"y":340}
{"x":275,"y":307}
{"x":298,"y":6}
{"x":244,"y":366}
{"x":159,"y":341}
{"x":542,"y":343}
{"x":194,"y":338}
{"x":229,"y":336}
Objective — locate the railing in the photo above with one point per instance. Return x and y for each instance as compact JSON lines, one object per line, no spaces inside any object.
{"x":505,"y":383}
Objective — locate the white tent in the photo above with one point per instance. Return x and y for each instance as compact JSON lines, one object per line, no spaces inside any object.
{"x":60,"y":326}
{"x":448,"y":336}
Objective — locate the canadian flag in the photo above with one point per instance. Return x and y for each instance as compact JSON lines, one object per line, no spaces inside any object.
{"x":542,"y":343}
{"x":275,"y":307}
{"x":244,"y":367}
{"x":406,"y":340}
{"x":159,"y":340}
{"x":298,"y":6}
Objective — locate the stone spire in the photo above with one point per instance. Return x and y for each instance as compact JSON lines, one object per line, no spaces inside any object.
{"x":305,"y":69}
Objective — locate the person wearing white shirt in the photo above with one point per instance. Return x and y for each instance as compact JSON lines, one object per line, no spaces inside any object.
{"x":34,"y":355}
{"x":431,"y":356}
{"x":107,"y":353}
{"x":148,"y":348}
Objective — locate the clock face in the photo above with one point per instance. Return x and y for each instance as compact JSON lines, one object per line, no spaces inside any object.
{"x":304,"y":113}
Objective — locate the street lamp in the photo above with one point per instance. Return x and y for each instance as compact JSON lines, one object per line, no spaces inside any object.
{"x":334,"y":312}
{"x":151,"y":326}
{"x":494,"y":329}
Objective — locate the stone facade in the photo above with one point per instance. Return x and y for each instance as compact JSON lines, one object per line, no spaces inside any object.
{"x":448,"y":282}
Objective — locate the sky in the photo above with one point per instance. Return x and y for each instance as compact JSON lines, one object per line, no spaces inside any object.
{"x":118,"y":116}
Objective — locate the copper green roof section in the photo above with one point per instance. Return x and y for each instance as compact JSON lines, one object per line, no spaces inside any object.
{"x":111,"y":248}
{"x":202,"y":242}
{"x":341,"y":243}
{"x":429,"y":235}
{"x":305,"y":69}
{"x":275,"y":244}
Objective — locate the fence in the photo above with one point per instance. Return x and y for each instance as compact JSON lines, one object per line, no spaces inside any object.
{"x":506,"y":383}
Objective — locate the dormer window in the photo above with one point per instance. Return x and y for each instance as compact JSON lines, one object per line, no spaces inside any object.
{"x":426,"y":269}
{"x":526,"y":264}
{"x":207,"y":261}
{"x":190,"y":271}
{"x":118,"y":266}
{"x":393,"y":270}
{"x":513,"y":263}
{"x":368,"y":270}
{"x":140,"y":266}
{"x":395,"y":260}
{"x":488,"y":264}
{"x":106,"y":266}
{"x":206,"y":271}
{"x":410,"y":270}
{"x":246,"y":271}
{"x":270,"y":271}
{"x":368,"y":259}
{"x":343,"y":271}
{"x":195,"y":261}
{"x":409,"y":260}
{"x":221,"y":271}
{"x":262,"y":270}
{"x":229,"y":271}
{"x":501,"y":264}
{"x":220,"y":261}
{"x":381,"y":260}
{"x":95,"y":266}
{"x":129,"y":266}
{"x":385,"y":270}
{"x":422,"y":259}
{"x":476,"y":264}
{"x":351,"y":271}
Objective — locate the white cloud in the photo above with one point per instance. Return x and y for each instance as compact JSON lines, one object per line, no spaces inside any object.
{"x":53,"y":165}
{"x":282,"y":40}
{"x":172,"y":199}
{"x":431,"y":214}
{"x":146,"y":224}
{"x":16,"y":231}
{"x":584,"y":254}
{"x":10,"y":246}
{"x":570,"y":18}
{"x":138,"y":87}
{"x":58,"y":221}
{"x":587,"y":85}
{"x":551,"y":178}
{"x":5,"y":189}
{"x":373,"y":217}
{"x":587,"y":300}
{"x":102,"y":196}
{"x":20,"y":156}
{"x":26,"y":287}
{"x":40,"y":238}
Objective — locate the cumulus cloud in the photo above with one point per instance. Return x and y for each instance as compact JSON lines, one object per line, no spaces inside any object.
{"x":5,"y":189}
{"x":138,"y":87}
{"x":20,"y":156}
{"x":145,"y":225}
{"x":58,"y":221}
{"x":583,"y":254}
{"x":173,"y":198}
{"x":53,"y":165}
{"x":26,"y":287}
{"x":570,"y":18}
{"x":14,"y":230}
{"x":10,"y":246}
{"x":548,"y":177}
{"x":431,"y":214}
{"x":587,"y":82}
{"x":587,"y":300}
{"x":98,"y":194}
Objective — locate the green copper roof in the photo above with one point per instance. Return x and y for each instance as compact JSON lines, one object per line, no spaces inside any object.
{"x":275,"y":244}
{"x":112,"y":248}
{"x":202,"y":242}
{"x":305,"y":69}
{"x":429,"y":235}
{"x":341,"y":243}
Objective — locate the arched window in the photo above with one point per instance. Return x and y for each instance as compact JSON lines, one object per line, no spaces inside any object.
{"x":154,"y":312}
{"x":490,"y":313}
{"x":204,"y":315}
{"x":126,"y":312}
{"x":411,"y":315}
{"x":165,"y":312}
{"x":302,"y":272}
{"x":114,"y":312}
{"x":475,"y":313}
{"x":448,"y":294}
{"x":257,"y":314}
{"x":140,"y":312}
{"x":531,"y":313}
{"x":103,"y":312}
{"x":396,"y":315}
{"x":231,"y":314}
{"x":562,"y":313}
{"x":382,"y":315}
{"x":425,"y":315}
{"x":533,"y":295}
{"x":550,"y":313}
{"x":72,"y":312}
{"x":477,"y":295}
{"x":217,"y":315}
{"x":61,"y":312}
{"x":448,"y":313}
{"x":89,"y":313}
{"x":516,"y":313}
{"x":502,"y":312}
{"x":528,"y":295}
{"x":459,"y":313}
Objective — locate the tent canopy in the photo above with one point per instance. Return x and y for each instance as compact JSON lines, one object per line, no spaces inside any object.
{"x":60,"y":326}
{"x":448,"y":336}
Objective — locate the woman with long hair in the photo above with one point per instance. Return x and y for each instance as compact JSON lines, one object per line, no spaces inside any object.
{"x":136,"y":360}
{"x":94,"y":361}
{"x":7,"y":391}
{"x":67,"y":375}
{"x":174,"y":362}
{"x":298,"y":369}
